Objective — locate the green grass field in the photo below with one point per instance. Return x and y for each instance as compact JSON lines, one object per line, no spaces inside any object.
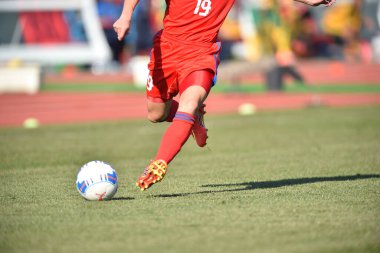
{"x":222,"y":87}
{"x":291,"y":181}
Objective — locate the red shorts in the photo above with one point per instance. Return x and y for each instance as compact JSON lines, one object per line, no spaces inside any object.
{"x":172,"y":62}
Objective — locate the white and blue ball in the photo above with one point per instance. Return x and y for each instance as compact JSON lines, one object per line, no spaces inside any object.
{"x":97,"y":180}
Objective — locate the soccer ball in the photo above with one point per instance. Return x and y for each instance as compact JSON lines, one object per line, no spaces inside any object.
{"x":97,"y":180}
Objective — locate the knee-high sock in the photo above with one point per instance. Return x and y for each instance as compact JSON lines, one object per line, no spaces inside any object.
{"x":173,"y":111}
{"x":175,"y":136}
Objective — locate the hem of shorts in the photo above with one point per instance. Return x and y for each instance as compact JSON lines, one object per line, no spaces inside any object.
{"x":156,"y":100}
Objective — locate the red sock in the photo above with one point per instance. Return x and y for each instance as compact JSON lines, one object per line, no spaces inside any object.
{"x":175,"y":136}
{"x":173,"y":111}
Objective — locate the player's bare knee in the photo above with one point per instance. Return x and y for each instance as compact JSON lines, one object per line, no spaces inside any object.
{"x":158,"y":112}
{"x":156,"y":117}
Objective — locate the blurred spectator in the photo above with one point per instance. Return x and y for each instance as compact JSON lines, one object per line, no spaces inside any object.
{"x":145,"y":25}
{"x":342,"y":22}
{"x":369,"y":29}
{"x":274,"y":21}
{"x":109,"y":11}
{"x":77,"y":33}
{"x":255,"y":30}
{"x":136,"y":42}
{"x":307,"y":39}
{"x":230,"y":32}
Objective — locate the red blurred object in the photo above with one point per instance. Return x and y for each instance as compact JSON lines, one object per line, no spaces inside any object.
{"x":44,"y":27}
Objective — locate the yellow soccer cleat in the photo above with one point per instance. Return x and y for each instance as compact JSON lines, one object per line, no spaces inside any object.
{"x":153,"y":173}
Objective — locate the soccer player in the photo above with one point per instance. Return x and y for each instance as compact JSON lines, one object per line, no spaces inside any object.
{"x":184,"y":60}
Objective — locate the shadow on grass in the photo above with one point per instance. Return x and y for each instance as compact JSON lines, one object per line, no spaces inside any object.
{"x":247,"y":186}
{"x":122,"y":198}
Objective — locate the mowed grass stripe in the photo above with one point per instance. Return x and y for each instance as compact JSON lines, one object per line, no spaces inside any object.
{"x":220,"y":87}
{"x":290,"y":181}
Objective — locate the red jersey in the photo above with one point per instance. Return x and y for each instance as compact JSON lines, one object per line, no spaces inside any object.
{"x":195,"y":20}
{"x":187,"y":44}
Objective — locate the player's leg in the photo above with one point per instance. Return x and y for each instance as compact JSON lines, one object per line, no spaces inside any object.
{"x":180,"y":129}
{"x":160,"y":111}
{"x":204,"y":79}
{"x":160,"y":105}
{"x":176,"y":135}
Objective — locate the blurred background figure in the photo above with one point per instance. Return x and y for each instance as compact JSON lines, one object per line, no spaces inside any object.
{"x":265,"y":29}
{"x":108,"y":11}
{"x":136,"y":42}
{"x":267,"y":36}
{"x":44,"y":27}
{"x":342,"y":23}
{"x":275,"y":21}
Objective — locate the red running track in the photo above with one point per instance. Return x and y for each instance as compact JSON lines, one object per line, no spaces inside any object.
{"x":57,"y":108}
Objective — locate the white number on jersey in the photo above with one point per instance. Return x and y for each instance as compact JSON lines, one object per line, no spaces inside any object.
{"x":203,"y":8}
{"x":149,"y":83}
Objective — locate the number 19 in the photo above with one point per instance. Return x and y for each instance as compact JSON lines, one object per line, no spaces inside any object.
{"x":205,"y":6}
